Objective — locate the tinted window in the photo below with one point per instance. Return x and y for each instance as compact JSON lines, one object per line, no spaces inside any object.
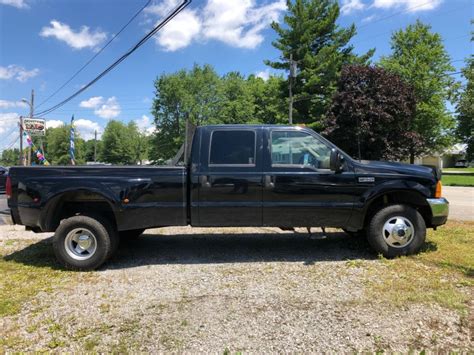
{"x":299,"y":148}
{"x":232,"y":147}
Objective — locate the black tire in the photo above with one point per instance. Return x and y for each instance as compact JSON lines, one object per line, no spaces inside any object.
{"x":131,"y":234}
{"x":381,"y":241}
{"x":358,"y":234}
{"x":99,"y":233}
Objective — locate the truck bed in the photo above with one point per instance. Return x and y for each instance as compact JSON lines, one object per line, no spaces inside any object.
{"x":136,"y":196}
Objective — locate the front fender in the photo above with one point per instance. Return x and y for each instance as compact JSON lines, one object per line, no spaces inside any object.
{"x":418,"y":192}
{"x":392,"y":186}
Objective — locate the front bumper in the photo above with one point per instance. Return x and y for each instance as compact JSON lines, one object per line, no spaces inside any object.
{"x":439,"y":210}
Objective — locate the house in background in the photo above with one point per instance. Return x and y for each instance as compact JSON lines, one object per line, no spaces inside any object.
{"x":446,"y":159}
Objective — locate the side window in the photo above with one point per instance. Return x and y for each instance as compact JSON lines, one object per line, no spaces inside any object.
{"x":299,"y":148}
{"x":232,"y":148}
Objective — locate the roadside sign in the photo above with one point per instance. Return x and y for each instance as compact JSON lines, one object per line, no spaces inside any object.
{"x":34,"y":126}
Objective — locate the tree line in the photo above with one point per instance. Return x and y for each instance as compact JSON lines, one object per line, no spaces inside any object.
{"x":394,"y":108}
{"x":121,"y":144}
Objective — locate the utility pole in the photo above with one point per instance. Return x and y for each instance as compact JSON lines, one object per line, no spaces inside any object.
{"x":32,"y":102}
{"x":95,"y":146}
{"x":22,"y":155}
{"x":290,"y":88}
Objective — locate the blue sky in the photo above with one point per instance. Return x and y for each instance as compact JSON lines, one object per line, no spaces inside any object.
{"x":43,"y":42}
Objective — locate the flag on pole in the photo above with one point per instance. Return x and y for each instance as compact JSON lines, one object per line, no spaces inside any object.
{"x":71,"y":142}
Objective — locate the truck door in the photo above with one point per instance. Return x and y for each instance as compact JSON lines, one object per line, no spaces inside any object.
{"x":300,"y":190}
{"x":230,"y":177}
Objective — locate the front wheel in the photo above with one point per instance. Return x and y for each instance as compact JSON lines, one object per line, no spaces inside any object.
{"x":397,"y":230}
{"x":83,"y":243}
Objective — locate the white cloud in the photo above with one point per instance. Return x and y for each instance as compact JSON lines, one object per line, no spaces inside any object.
{"x":180,"y":32}
{"x":19,"y":4}
{"x":238,"y":23}
{"x":17,"y":72}
{"x":8,"y":129}
{"x":409,"y":5}
{"x":7,"y":121}
{"x":53,"y":123}
{"x":83,"y":38}
{"x":348,"y":6}
{"x":264,"y":74}
{"x":87,"y":128}
{"x":109,"y":109}
{"x":145,"y":125}
{"x":93,"y":102}
{"x":5,"y":104}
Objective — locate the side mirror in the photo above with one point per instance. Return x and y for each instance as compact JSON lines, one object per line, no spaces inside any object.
{"x":335,"y":161}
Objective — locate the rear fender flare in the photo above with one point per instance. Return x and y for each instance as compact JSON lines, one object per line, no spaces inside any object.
{"x":50,"y":211}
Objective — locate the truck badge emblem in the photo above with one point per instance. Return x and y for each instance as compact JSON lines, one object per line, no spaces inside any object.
{"x":367,"y":179}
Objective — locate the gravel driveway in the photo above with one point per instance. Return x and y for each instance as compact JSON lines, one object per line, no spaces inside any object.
{"x":263,"y":290}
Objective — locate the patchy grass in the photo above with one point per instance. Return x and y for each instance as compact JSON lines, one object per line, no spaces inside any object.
{"x":452,"y":246}
{"x":458,"y":180}
{"x":27,"y":268}
{"x":441,"y":274}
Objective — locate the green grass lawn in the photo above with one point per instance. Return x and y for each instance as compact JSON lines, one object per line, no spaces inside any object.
{"x":436,"y":275}
{"x":458,"y":180}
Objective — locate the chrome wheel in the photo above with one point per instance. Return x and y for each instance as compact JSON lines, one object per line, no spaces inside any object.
{"x":80,"y":244}
{"x":398,"y":232}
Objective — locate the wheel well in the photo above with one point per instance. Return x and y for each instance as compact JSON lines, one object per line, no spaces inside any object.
{"x":413,"y":199}
{"x":75,"y":203}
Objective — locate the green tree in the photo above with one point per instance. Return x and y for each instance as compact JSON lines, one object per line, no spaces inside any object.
{"x":10,"y":157}
{"x":89,"y":147}
{"x":194,"y":94}
{"x":371,"y":114}
{"x":139,"y":143}
{"x":206,"y":98}
{"x":320,"y":47}
{"x":418,"y":56}
{"x":56,"y":145}
{"x":268,"y":99}
{"x":465,"y":109}
{"x":237,"y":103}
{"x":119,"y":143}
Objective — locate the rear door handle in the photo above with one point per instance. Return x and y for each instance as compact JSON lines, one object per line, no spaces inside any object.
{"x":269,"y":181}
{"x":204,"y":181}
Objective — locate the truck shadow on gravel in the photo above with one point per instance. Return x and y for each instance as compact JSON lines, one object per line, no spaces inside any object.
{"x":158,"y":249}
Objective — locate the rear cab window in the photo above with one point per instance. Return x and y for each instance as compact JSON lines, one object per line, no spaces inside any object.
{"x":232,"y":148}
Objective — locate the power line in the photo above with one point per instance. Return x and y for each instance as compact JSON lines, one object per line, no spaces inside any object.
{"x":365,"y":39}
{"x":11,"y":144}
{"x":95,"y":56}
{"x":395,"y":14}
{"x":454,"y":73}
{"x":150,"y":34}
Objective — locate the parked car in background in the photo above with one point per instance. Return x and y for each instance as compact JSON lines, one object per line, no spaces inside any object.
{"x":461,"y":163}
{"x":3,"y":178}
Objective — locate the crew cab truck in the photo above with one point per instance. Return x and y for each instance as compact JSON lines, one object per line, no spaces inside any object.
{"x":237,"y":175}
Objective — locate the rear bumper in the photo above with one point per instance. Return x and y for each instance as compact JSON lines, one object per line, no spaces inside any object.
{"x":439,"y":210}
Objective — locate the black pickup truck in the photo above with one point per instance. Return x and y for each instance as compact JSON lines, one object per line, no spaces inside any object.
{"x":237,"y":175}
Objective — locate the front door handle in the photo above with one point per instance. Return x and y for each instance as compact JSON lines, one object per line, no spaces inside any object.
{"x":269,"y":181}
{"x":204,"y":181}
